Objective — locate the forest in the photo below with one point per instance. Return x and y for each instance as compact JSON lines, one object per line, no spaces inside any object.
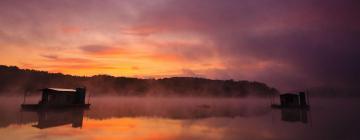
{"x":15,"y":81}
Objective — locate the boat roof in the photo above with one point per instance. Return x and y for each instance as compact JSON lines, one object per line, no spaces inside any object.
{"x":289,"y":94}
{"x":62,"y":89}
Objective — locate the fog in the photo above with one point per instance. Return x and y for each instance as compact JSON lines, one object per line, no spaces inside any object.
{"x":187,"y":107}
{"x":228,"y":118}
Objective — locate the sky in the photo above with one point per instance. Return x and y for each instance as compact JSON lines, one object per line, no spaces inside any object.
{"x":285,"y":43}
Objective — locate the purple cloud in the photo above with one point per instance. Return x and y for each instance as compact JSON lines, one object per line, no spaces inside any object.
{"x":287,"y":43}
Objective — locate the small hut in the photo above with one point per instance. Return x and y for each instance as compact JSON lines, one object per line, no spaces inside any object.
{"x":59,"y":98}
{"x":291,"y":100}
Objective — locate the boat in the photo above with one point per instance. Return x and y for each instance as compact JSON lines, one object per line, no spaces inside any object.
{"x":293,"y":101}
{"x":59,"y":98}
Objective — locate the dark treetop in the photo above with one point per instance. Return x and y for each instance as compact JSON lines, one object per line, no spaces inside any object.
{"x":15,"y":81}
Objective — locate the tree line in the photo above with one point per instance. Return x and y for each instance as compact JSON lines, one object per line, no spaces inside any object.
{"x":15,"y":81}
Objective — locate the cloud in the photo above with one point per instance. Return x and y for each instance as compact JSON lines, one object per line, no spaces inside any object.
{"x":57,"y":59}
{"x":135,"y":68}
{"x":95,"y":48}
{"x":51,"y":57}
{"x":71,"y":30}
{"x":286,"y":43}
{"x":141,"y":31}
{"x":311,"y":42}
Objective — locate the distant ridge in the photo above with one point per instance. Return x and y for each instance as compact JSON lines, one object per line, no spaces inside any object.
{"x":15,"y":81}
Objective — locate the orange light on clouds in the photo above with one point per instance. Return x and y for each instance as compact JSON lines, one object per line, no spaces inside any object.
{"x":71,"y":30}
{"x":89,"y":48}
{"x":157,"y":55}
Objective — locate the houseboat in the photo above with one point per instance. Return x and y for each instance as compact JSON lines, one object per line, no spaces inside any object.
{"x":59,"y":98}
{"x":291,"y":100}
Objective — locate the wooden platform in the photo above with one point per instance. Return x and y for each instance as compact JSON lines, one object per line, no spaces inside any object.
{"x":277,"y":106}
{"x":47,"y":107}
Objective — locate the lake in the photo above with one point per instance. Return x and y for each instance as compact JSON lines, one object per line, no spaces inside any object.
{"x":185,"y":118}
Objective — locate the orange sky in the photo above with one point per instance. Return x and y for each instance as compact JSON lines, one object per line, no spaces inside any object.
{"x":130,"y":51}
{"x":144,"y":56}
{"x":85,"y":43}
{"x":285,"y":44}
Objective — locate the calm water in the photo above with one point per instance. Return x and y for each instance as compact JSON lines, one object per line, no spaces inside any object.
{"x":184,"y":119}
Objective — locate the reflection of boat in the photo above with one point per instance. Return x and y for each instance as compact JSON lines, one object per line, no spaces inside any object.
{"x":54,"y":118}
{"x":59,"y":98}
{"x":292,"y":101}
{"x":294,"y":115}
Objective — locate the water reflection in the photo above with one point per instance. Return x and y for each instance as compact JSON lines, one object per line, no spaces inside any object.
{"x":294,"y":115}
{"x":191,"y":119}
{"x":54,"y":118}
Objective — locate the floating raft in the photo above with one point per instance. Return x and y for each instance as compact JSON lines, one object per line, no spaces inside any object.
{"x":277,"y":106}
{"x":45,"y":107}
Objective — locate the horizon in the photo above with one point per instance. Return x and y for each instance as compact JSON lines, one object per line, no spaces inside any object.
{"x":104,"y":74}
{"x":287,"y":44}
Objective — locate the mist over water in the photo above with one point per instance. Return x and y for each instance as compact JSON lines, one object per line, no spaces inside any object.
{"x":194,"y":118}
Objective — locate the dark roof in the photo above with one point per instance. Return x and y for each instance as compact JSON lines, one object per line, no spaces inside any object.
{"x":288,"y":94}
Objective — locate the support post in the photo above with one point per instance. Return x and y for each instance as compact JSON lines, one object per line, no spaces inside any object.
{"x":88,"y":98}
{"x":24,"y":97}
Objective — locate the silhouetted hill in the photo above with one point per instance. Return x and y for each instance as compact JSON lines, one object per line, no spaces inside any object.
{"x":15,"y":81}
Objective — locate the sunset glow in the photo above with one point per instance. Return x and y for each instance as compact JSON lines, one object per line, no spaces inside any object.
{"x":279,"y":43}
